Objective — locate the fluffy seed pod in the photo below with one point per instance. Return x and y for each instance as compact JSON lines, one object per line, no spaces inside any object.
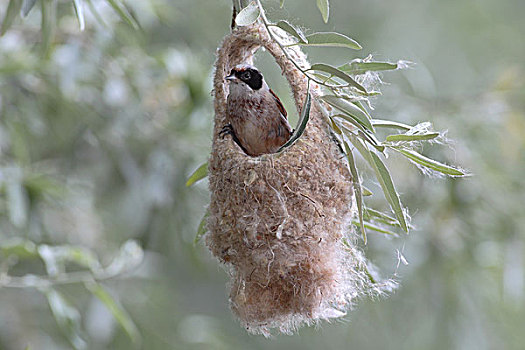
{"x":281,"y":222}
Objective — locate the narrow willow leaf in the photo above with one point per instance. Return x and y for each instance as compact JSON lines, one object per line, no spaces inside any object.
{"x":366,"y":191}
{"x":52,"y":261}
{"x":83,"y":257}
{"x":79,"y":11}
{"x":27,"y":5}
{"x":198,"y":174}
{"x":335,"y":127}
{"x":67,"y":317}
{"x":390,"y":124}
{"x":337,"y":73}
{"x":325,"y":78}
{"x":128,"y":258}
{"x":248,"y":15}
{"x":12,"y":10}
{"x":16,"y":198}
{"x":123,"y":13}
{"x":430,"y":163}
{"x":118,"y":312}
{"x":19,"y":247}
{"x":332,"y":39}
{"x":349,"y":109}
{"x":295,"y":32}
{"x":380,"y":229}
{"x":202,"y":227}
{"x":415,"y":137}
{"x":95,"y":13}
{"x":384,"y":178}
{"x":357,"y":188}
{"x":55,"y":257}
{"x":359,"y":67}
{"x":281,"y":4}
{"x":349,"y":123}
{"x":38,"y":185}
{"x":49,"y":9}
{"x":375,"y":215}
{"x":324,"y":8}
{"x":360,"y":105}
{"x":391,"y":195}
{"x":355,"y":127}
{"x":303,"y":120}
{"x":370,"y":138}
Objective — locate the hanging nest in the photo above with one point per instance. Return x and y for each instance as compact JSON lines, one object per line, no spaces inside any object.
{"x":281,"y":223}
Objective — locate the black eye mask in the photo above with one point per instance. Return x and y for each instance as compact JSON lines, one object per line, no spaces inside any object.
{"x":251,"y":77}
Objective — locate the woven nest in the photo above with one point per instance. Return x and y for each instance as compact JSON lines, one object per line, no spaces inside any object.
{"x":281,"y":222}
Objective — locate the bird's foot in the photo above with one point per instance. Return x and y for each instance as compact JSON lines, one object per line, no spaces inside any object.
{"x":226,"y":130}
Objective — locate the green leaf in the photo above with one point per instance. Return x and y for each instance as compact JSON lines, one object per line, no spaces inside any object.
{"x":79,"y":11}
{"x":324,"y":8}
{"x":38,"y":185}
{"x":128,"y":258}
{"x":391,"y":195}
{"x":55,"y":257}
{"x":199,"y":174}
{"x":366,"y":191}
{"x":359,"y":67}
{"x":49,"y":17}
{"x":373,"y":227}
{"x":27,"y":5}
{"x":248,"y":15}
{"x":52,"y":260}
{"x":118,"y":312}
{"x":95,"y":13}
{"x":430,"y":163}
{"x":67,"y":317}
{"x":303,"y":120}
{"x":332,"y":39}
{"x":16,"y":198}
{"x":21,"y":248}
{"x":375,"y":215}
{"x":334,"y":126}
{"x":281,"y":4}
{"x":384,"y":178}
{"x":355,"y":127}
{"x":357,"y":188}
{"x":12,"y":10}
{"x":336,"y":72}
{"x":349,"y":109}
{"x":414,"y":137}
{"x":295,"y":32}
{"x":202,"y":227}
{"x":123,"y":13}
{"x":390,"y":124}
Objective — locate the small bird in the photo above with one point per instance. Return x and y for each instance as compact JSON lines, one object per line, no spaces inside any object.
{"x":255,"y":115}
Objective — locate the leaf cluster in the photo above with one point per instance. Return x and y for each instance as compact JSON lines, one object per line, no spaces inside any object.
{"x":345,"y":98}
{"x":48,"y":13}
{"x":69,"y":264}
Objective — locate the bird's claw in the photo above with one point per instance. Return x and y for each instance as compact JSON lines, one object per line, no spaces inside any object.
{"x":226,"y":130}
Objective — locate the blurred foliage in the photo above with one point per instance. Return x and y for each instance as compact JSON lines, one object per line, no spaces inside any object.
{"x":99,"y":134}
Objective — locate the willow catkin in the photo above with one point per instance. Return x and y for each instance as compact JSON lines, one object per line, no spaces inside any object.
{"x":281,"y":223}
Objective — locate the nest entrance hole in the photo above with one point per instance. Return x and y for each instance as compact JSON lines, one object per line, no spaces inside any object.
{"x":273,"y":76}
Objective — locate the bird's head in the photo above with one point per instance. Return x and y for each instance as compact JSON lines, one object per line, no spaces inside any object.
{"x":247,"y":76}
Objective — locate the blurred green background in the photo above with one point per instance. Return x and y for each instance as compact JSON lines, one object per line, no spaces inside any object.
{"x":98,"y":136}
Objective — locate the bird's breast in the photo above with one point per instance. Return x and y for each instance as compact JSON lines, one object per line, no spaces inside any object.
{"x":257,"y":126}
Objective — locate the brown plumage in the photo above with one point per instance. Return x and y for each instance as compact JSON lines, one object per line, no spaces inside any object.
{"x":256,"y":116}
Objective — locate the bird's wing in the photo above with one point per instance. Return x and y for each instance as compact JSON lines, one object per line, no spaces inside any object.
{"x":279,"y":104}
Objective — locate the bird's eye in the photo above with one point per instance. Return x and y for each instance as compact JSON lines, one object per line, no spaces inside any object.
{"x":246,"y":76}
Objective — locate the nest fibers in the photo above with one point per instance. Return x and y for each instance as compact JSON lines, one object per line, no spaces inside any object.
{"x":281,"y":222}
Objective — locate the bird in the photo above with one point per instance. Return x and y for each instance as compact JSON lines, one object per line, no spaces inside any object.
{"x":255,"y":115}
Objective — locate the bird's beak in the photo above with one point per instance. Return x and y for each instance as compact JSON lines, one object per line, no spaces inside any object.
{"x":231,"y":77}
